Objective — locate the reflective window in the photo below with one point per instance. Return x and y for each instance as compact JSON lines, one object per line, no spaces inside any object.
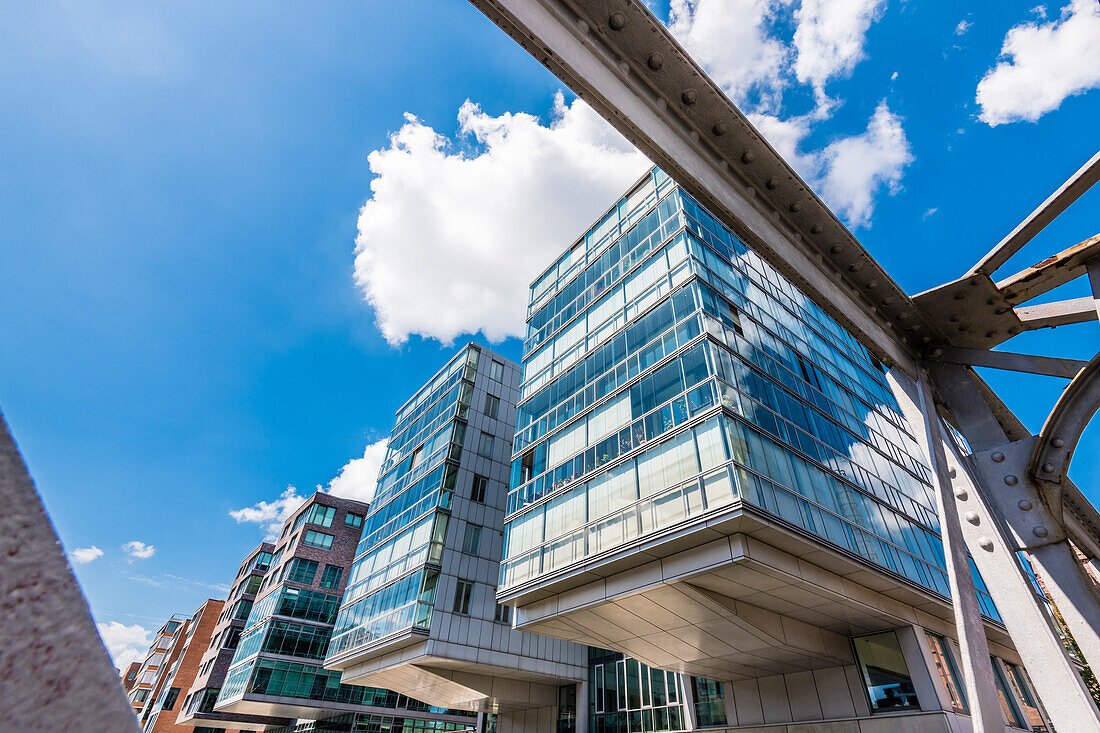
{"x":317,"y":539}
{"x":485,"y":445}
{"x":496,"y":371}
{"x":477,"y":490}
{"x":331,"y":577}
{"x":503,"y":614}
{"x":949,"y":672}
{"x":710,"y":707}
{"x":492,"y":405}
{"x":463,"y":591}
{"x":626,"y":695}
{"x":1020,"y":684}
{"x":1009,"y":705}
{"x":471,"y":541}
{"x":884,"y":672}
{"x":353,"y":520}
{"x":300,"y":570}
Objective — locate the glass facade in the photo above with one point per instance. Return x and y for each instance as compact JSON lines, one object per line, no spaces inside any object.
{"x":626,"y":696}
{"x":669,"y":372}
{"x":882,"y":665}
{"x":392,"y":582}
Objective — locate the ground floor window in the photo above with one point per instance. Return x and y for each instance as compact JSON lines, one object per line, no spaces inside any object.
{"x":885,"y":675}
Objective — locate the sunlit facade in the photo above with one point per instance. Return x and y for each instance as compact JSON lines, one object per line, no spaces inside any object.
{"x":420,"y":615}
{"x":710,"y":475}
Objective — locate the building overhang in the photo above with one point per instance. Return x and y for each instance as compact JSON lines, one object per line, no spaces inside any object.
{"x":465,"y":677}
{"x":731,"y":596}
{"x":377,"y":648}
{"x":291,"y":707}
{"x":228,"y":721}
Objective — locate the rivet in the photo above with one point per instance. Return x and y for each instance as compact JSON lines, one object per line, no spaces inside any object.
{"x":624,"y":67}
{"x":990,"y":334}
{"x":662,"y":104}
{"x":720,"y":128}
{"x":960,"y":494}
{"x":817,"y":229}
{"x":855,"y":267}
{"x":871,"y":285}
{"x":974,"y":281}
{"x":887,"y":301}
{"x":617,"y":21}
{"x":772,"y":184}
{"x":748,"y":156}
{"x":1011,"y":480}
{"x":836,"y":249}
{"x":1058,"y":442}
{"x":750,"y":191}
{"x":689,"y":97}
{"x":1048,"y":468}
{"x":1040,"y":531}
{"x":960,"y":296}
{"x":1025,"y":505}
{"x":954,"y":319}
{"x":951,"y":472}
{"x":694,"y":136}
{"x":582,"y":24}
{"x":937,"y":353}
{"x":998,"y":457}
{"x":796,"y":207}
{"x":926,"y":339}
{"x":985,"y":543}
{"x":903,"y":316}
{"x":973,"y":518}
{"x":964,"y":327}
{"x":655,"y":61}
{"x":1001,"y":311}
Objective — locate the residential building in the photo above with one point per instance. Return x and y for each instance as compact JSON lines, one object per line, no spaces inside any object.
{"x":129,"y":677}
{"x":711,"y":476}
{"x":150,"y":674}
{"x":160,"y":716}
{"x":275,"y":676}
{"x":420,"y":614}
{"x":197,"y":709}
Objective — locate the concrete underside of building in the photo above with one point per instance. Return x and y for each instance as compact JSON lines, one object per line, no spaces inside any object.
{"x":465,"y":677}
{"x":734,"y":595}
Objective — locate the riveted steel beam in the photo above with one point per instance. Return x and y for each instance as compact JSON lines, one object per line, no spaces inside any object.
{"x":1049,"y":365}
{"x":1051,"y":273}
{"x":1058,"y":201}
{"x":625,"y":63}
{"x":1061,"y":313}
{"x":1063,"y":428}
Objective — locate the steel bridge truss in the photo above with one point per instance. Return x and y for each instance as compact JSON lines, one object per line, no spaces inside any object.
{"x":1002,"y":491}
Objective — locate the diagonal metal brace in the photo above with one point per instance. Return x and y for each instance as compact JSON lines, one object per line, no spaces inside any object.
{"x":1071,"y":414}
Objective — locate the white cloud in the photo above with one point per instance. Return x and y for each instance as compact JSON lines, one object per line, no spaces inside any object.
{"x":930,"y":212}
{"x":829,"y":38}
{"x":963,"y":26}
{"x":359,"y":476}
{"x":1041,"y":64}
{"x":732,"y":40}
{"x":125,"y":643}
{"x":138,"y":550}
{"x":857,"y":168}
{"x":83,"y":555}
{"x":449,"y":239}
{"x":270,"y":515}
{"x":850,"y":172}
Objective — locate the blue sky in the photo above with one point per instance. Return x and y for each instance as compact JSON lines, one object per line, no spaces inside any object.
{"x":188,"y":328}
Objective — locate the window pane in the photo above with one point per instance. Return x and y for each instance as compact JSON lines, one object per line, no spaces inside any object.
{"x":884,"y":672}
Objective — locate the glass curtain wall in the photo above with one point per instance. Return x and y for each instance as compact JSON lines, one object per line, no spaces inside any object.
{"x":669,"y":372}
{"x":626,"y":696}
{"x":392,"y":582}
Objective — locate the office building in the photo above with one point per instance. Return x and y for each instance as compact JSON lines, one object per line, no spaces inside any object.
{"x":193,"y":639}
{"x":711,"y":476}
{"x":420,"y":614}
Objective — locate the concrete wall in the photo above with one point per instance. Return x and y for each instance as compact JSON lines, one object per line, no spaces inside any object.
{"x":54,"y":672}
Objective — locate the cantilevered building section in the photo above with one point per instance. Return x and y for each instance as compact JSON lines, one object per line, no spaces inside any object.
{"x":420,"y":613}
{"x":149,"y":678}
{"x":711,"y":476}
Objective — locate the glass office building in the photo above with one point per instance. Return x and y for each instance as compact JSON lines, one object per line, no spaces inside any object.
{"x":709,"y":474}
{"x":420,"y":614}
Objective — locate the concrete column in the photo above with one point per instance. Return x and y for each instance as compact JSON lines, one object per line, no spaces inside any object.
{"x":689,"y":702}
{"x":582,"y":707}
{"x":931,"y":693}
